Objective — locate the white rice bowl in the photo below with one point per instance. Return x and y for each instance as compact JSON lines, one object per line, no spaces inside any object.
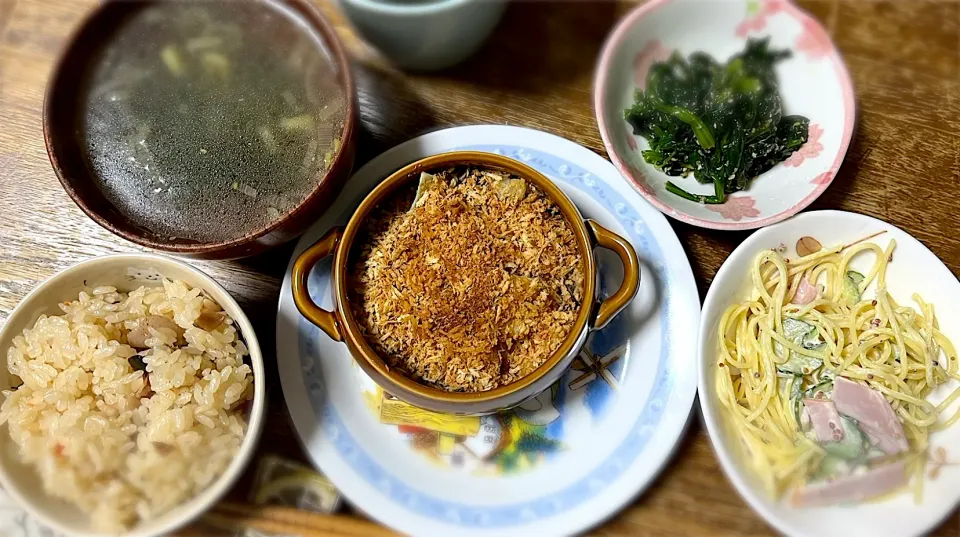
{"x":123,"y":442}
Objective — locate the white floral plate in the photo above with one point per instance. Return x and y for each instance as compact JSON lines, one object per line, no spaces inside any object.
{"x":914,"y":269}
{"x":814,"y":83}
{"x":560,"y":463}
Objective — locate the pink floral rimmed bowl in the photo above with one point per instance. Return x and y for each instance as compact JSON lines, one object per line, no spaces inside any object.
{"x":814,"y":82}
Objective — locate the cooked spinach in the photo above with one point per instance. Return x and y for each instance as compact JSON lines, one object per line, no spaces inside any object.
{"x":721,"y":122}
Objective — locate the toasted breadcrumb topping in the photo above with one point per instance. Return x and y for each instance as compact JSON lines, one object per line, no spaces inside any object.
{"x":468,"y":284}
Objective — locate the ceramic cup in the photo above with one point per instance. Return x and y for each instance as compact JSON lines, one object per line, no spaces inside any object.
{"x":424,"y":35}
{"x":340,"y":324}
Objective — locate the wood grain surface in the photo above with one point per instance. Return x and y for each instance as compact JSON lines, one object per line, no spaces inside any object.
{"x":903,"y":167}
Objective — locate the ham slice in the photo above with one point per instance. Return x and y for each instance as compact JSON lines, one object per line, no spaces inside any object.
{"x":853,"y":488}
{"x":873,"y":413}
{"x":825,"y":419}
{"x":806,"y":293}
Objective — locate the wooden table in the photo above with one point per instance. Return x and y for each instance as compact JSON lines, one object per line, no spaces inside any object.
{"x":903,"y":167}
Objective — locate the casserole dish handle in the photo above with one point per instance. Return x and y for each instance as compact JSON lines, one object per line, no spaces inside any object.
{"x":325,"y":320}
{"x":613,"y":304}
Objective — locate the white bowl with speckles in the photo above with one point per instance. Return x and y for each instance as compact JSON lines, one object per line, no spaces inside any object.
{"x":915,"y":269}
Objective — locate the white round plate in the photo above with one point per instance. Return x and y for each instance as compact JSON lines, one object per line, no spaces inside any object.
{"x":561,"y":463}
{"x":813,"y":82}
{"x":915,"y":269}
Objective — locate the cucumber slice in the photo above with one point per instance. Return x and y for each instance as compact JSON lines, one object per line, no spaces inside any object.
{"x":799,"y":364}
{"x":820,"y":390}
{"x":851,"y":286}
{"x":853,"y":445}
{"x":802,"y":333}
{"x":832,"y":466}
{"x":795,"y":329}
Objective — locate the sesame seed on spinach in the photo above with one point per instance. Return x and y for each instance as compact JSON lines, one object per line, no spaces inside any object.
{"x":723,"y":123}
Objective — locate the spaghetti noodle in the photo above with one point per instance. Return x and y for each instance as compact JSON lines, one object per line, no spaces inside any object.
{"x":779,"y":357}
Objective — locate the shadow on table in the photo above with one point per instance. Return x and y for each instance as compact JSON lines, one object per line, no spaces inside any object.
{"x":390,"y":111}
{"x":841,"y":189}
{"x":539,"y":46}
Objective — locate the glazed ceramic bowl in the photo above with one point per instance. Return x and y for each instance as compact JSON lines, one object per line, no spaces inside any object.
{"x":425,"y":35}
{"x":340,"y":324}
{"x":813,"y":82}
{"x":915,"y":269}
{"x":69,"y":157}
{"x":126,"y":272}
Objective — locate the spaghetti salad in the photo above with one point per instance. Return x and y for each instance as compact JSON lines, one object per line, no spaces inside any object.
{"x":828,"y":386}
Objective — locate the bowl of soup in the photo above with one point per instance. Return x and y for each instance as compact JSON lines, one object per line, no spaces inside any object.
{"x":209,"y":129}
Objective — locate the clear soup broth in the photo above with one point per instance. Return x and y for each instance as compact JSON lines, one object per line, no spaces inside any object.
{"x":208,"y":120}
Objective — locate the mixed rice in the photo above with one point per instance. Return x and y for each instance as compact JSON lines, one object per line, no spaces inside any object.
{"x":130,"y":403}
{"x":470,"y":283}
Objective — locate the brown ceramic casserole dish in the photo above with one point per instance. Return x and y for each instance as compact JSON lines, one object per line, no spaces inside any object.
{"x":341,"y":325}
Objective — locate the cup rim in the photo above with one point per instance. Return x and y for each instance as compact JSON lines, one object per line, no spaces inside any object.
{"x":376,"y":366}
{"x":192,"y":507}
{"x":425,"y":7}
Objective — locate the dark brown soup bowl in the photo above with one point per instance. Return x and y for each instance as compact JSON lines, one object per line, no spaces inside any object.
{"x":71,"y":161}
